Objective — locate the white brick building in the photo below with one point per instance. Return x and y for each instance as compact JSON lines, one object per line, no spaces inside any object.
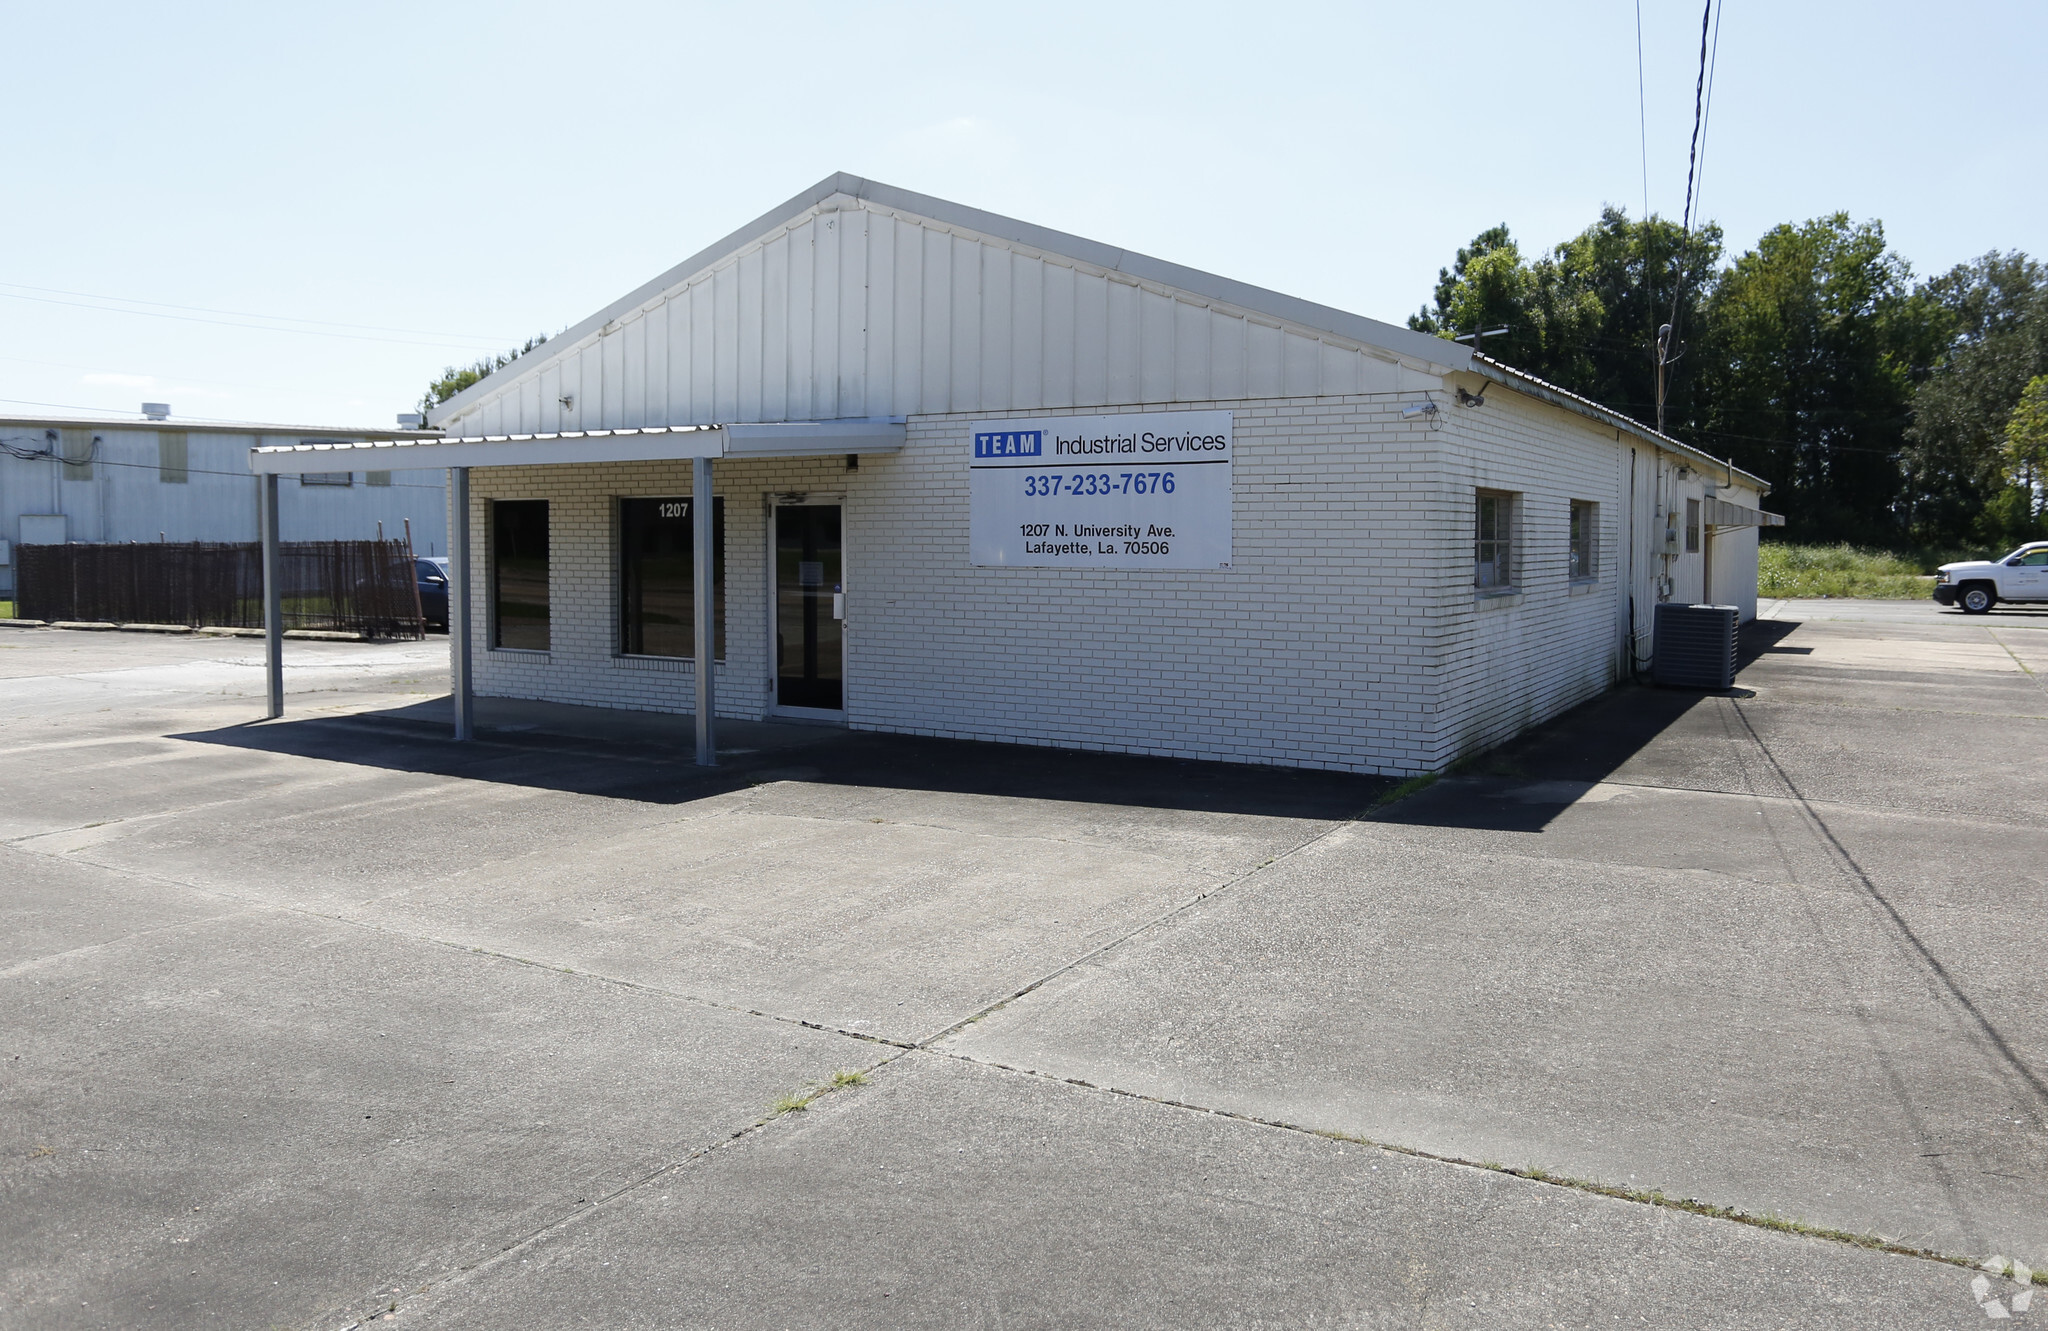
{"x":1424,"y":551}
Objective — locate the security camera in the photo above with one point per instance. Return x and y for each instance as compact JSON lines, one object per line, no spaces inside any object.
{"x":1420,"y":409}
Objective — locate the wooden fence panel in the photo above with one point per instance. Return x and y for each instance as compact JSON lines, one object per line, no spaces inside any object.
{"x":366,"y":587}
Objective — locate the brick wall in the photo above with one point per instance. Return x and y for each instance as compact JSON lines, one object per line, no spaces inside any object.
{"x":1346,"y":634}
{"x":1507,"y":661}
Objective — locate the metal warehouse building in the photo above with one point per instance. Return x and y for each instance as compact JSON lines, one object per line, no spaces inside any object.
{"x":975,"y":478}
{"x":156,"y":477}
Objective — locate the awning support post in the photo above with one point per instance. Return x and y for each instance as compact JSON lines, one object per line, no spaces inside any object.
{"x":273,"y":600}
{"x":460,"y":691}
{"x":703,"y":528}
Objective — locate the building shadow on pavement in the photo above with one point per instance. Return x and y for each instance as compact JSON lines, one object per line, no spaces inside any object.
{"x":1525,"y":784}
{"x":650,"y":757}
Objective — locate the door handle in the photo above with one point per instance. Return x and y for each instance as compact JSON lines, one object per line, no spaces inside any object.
{"x":838,"y":605}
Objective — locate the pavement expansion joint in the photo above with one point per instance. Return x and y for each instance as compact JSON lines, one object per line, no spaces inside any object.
{"x":1111,"y":944}
{"x":458,"y":1273}
{"x":898,"y":1049}
{"x":2032,"y":677}
{"x":639,"y":986}
{"x":1651,"y":1197}
{"x":2007,"y":1057}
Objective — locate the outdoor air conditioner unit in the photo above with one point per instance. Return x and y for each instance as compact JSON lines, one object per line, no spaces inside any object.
{"x":1694,"y":646}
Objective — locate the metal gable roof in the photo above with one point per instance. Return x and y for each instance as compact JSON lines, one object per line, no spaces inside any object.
{"x":1400,"y":341}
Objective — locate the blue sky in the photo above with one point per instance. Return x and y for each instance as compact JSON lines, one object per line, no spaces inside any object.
{"x":430,"y":182}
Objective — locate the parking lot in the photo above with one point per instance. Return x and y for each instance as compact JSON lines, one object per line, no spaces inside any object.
{"x":324,"y":1019}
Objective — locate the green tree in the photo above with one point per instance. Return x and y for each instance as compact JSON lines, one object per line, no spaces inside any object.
{"x":1996,"y":343}
{"x":2026,"y":441}
{"x":1642,"y":274}
{"x":1585,"y":315}
{"x":454,"y":379}
{"x":1812,"y":342}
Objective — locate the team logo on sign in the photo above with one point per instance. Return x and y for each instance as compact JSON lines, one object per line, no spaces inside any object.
{"x":1010,"y":444}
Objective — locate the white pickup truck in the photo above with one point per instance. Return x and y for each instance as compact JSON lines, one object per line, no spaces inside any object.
{"x":1983,"y":583}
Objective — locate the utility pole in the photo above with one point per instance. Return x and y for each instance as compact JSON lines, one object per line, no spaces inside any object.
{"x":1663,"y":360}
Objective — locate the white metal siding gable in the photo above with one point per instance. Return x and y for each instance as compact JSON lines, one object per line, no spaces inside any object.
{"x":854,"y":310}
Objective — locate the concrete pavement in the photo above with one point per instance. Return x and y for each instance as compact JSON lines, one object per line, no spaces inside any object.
{"x":1780,"y":951}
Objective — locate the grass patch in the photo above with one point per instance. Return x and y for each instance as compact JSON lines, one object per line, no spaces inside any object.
{"x":1414,"y":785}
{"x":797,"y":1101}
{"x":1851,"y":570}
{"x":6,"y":609}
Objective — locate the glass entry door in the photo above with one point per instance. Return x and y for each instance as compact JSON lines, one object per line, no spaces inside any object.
{"x":810,"y":651}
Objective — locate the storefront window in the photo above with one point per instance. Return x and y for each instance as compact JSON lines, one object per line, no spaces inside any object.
{"x":519,"y":574}
{"x":657,"y":577}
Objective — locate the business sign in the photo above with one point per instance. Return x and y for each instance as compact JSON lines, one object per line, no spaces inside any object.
{"x":1147,"y":491}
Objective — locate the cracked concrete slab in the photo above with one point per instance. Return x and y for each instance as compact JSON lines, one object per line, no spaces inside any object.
{"x":1639,"y":947}
{"x":1626,"y":1025}
{"x":946,"y":1193}
{"x":251,"y":1116}
{"x":1630,"y":945}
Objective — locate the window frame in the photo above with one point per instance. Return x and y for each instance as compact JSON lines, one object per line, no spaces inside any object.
{"x":623,"y":583}
{"x":1582,"y":530}
{"x":173,"y":457}
{"x":494,"y":554}
{"x":1692,"y":526}
{"x":1500,"y":544}
{"x":80,"y":450}
{"x":339,"y":480}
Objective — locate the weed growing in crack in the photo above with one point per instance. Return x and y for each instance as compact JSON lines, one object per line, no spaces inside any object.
{"x":1414,"y":785}
{"x":799,"y":1100}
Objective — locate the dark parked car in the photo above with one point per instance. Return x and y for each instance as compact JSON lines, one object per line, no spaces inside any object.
{"x":433,"y":579}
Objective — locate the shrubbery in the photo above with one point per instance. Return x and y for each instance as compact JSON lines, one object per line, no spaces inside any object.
{"x":1850,"y":570}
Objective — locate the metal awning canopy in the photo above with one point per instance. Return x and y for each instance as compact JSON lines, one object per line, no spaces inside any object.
{"x":1721,"y":513}
{"x":651,"y":443}
{"x":699,"y":444}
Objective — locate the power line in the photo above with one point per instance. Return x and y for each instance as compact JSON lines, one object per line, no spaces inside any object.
{"x":198,"y":383}
{"x":1669,"y":332}
{"x":1642,"y":112}
{"x":445,"y":345}
{"x":142,"y":424}
{"x":95,"y":460}
{"x":1707,"y":118}
{"x":1699,"y":94}
{"x":245,"y":314}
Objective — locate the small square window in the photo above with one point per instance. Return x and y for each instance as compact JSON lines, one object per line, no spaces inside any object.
{"x":1493,"y":540}
{"x":1585,"y":539}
